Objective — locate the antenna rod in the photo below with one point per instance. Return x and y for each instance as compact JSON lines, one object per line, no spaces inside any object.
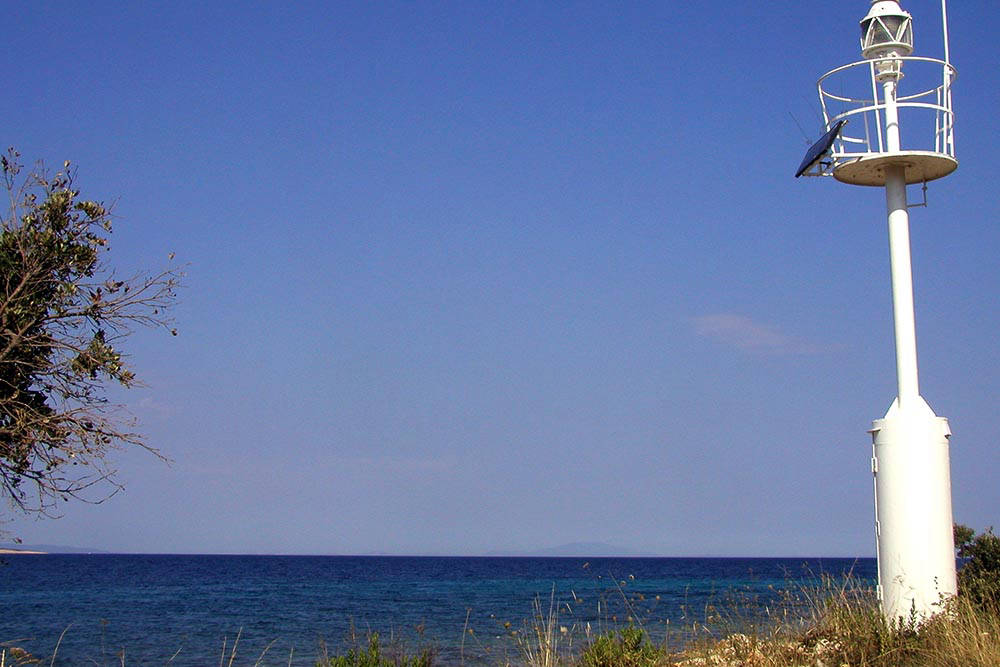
{"x":944,"y":23}
{"x":948,"y":120}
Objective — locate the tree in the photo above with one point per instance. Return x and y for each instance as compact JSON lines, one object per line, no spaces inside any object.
{"x":979,"y":578}
{"x":63,"y":317}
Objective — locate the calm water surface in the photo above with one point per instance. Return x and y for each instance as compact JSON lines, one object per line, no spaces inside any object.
{"x":154,"y":606}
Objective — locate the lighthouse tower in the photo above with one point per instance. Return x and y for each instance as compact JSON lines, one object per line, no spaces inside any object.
{"x":865,"y":145}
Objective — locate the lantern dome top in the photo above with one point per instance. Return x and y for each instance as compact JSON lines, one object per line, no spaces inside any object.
{"x":886,"y":30}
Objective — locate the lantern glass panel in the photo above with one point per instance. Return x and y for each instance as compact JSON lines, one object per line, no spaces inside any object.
{"x":907,"y":36}
{"x":874,"y":33}
{"x":892,"y":24}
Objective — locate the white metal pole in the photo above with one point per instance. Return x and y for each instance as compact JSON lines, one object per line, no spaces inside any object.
{"x":899,"y":259}
{"x":913,"y":519}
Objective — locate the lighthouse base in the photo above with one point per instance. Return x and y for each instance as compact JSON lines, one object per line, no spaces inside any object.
{"x":913,"y":520}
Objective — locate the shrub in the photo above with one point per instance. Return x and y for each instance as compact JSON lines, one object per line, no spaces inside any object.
{"x":629,"y":647}
{"x":373,"y":657}
{"x":979,"y":578}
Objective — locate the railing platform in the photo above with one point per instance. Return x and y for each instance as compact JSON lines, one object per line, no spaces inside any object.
{"x":859,"y":155}
{"x":920,"y":166}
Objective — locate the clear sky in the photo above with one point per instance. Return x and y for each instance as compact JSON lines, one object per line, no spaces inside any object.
{"x":477,"y":276}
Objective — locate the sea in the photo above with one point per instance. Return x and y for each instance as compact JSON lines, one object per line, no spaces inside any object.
{"x":202,"y":610}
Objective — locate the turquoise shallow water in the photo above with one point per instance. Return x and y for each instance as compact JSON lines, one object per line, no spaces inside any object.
{"x":154,"y":605}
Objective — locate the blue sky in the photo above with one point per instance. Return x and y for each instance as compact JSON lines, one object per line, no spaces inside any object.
{"x":466,"y":277}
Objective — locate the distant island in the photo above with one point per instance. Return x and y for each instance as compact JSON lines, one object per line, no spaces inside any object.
{"x":9,"y":548}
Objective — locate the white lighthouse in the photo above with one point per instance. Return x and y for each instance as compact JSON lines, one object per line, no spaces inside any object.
{"x":865,"y":145}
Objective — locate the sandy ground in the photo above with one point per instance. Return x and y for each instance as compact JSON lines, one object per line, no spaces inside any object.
{"x":19,"y":551}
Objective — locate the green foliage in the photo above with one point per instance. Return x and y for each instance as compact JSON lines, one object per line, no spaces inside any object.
{"x":963,"y":536}
{"x":63,"y":319}
{"x":629,"y":647}
{"x":979,"y":578}
{"x":373,"y":656}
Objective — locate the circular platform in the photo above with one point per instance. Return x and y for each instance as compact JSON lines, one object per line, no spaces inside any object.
{"x":920,"y":166}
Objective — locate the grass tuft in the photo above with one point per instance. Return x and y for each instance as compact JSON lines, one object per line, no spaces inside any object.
{"x":373,"y":656}
{"x":539,"y":644}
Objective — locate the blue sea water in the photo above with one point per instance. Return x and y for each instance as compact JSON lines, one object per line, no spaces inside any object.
{"x":156,"y":606}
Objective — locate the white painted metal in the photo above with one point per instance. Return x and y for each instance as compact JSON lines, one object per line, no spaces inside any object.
{"x":859,"y":153}
{"x":910,"y":463}
{"x":902,"y":288}
{"x":916,"y":554}
{"x":944,"y":25}
{"x":948,"y":129}
{"x":913,"y":517}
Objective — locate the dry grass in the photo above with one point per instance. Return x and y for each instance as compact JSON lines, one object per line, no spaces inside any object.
{"x":843,"y":626}
{"x":539,"y":643}
{"x":834,"y":624}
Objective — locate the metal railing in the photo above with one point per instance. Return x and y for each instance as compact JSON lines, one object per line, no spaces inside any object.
{"x":926,"y":117}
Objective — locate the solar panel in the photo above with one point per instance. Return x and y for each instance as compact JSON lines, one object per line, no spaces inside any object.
{"x":821,"y":148}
